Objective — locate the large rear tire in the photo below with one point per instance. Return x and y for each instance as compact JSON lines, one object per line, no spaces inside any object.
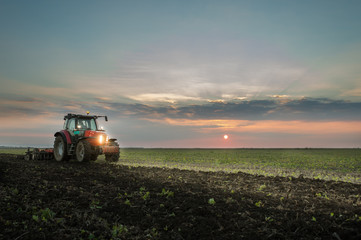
{"x":83,"y":151}
{"x":60,"y":149}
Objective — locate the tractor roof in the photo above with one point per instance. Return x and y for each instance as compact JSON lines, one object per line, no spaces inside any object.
{"x":72,"y":115}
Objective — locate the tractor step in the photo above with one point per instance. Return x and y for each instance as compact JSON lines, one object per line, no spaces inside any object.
{"x":71,"y":149}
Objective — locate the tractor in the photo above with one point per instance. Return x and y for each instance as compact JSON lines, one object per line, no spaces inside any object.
{"x":82,"y":139}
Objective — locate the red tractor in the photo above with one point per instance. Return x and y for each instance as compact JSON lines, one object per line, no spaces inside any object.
{"x":82,"y":139}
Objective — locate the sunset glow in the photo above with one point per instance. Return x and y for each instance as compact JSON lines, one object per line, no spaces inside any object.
{"x":268,"y":126}
{"x":225,"y":137}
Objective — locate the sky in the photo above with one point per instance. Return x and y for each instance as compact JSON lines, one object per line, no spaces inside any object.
{"x":182,"y":74}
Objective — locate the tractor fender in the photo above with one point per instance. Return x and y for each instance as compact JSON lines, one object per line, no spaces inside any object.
{"x":65,"y":135}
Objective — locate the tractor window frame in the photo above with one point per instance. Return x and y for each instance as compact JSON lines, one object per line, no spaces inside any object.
{"x":65,"y":124}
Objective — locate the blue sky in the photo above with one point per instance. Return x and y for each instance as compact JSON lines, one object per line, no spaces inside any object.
{"x":183,"y":73}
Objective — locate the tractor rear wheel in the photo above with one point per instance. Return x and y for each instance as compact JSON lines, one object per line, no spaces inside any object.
{"x":83,"y":151}
{"x":60,"y":150}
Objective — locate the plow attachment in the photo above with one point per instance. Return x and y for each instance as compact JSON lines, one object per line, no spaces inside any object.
{"x":39,"y":154}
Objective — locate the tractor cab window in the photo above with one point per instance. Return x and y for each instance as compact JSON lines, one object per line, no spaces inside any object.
{"x":93,"y":125}
{"x":87,"y":124}
{"x":71,"y":124}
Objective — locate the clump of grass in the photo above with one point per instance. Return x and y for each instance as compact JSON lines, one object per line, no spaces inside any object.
{"x":211,"y":201}
{"x":167,"y":193}
{"x":119,"y":230}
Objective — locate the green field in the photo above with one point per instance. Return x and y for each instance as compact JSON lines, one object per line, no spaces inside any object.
{"x":4,"y":150}
{"x":328,"y":164}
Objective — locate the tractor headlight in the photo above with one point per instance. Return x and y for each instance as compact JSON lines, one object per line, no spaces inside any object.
{"x":101,"y":139}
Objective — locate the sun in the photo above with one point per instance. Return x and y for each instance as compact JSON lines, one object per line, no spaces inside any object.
{"x":225,"y":137}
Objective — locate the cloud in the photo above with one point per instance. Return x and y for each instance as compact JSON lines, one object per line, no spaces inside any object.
{"x":312,"y":109}
{"x":266,"y":126}
{"x":189,"y":69}
{"x":356,"y":92}
{"x":196,"y":67}
{"x":31,"y":100}
{"x":162,"y":97}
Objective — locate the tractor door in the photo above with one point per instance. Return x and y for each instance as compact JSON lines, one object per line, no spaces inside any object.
{"x":71,"y":128}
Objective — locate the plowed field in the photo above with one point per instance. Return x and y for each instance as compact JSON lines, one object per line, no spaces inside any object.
{"x":51,"y":200}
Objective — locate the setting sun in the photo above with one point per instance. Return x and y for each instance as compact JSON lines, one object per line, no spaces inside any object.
{"x":225,"y":137}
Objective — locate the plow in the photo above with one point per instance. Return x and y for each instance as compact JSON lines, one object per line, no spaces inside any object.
{"x":39,"y":154}
{"x":81,"y":139}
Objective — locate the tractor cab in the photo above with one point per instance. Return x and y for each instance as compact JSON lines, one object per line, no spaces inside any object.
{"x":80,"y":123}
{"x":83,"y":139}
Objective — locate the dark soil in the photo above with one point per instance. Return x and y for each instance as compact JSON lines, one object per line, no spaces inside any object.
{"x":52,"y":200}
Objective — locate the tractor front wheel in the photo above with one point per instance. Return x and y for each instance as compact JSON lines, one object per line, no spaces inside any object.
{"x":60,"y":151}
{"x":83,"y":151}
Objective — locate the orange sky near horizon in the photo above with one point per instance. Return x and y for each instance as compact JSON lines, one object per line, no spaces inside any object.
{"x":296,"y":127}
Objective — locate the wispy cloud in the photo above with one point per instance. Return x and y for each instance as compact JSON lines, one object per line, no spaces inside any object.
{"x":356,"y":92}
{"x":176,"y":106}
{"x":163,"y":97}
{"x":269,"y":109}
{"x":266,"y":126}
